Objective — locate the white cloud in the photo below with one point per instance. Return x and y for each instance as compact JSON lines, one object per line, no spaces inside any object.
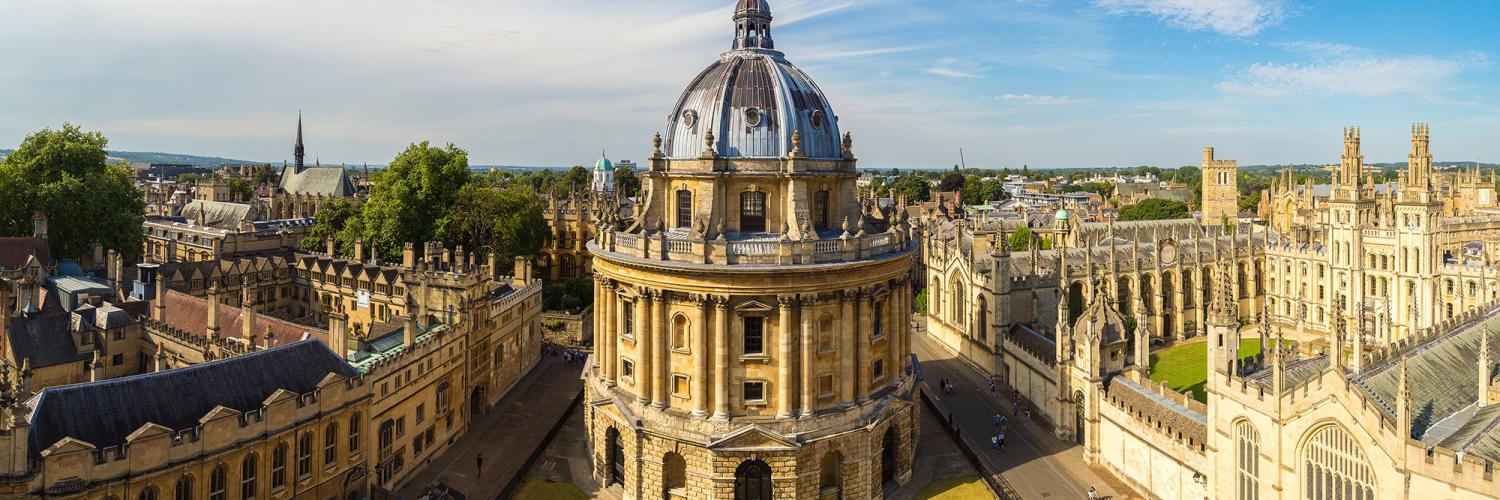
{"x":1229,"y":17}
{"x":1037,"y":100}
{"x":1361,"y":75}
{"x":947,"y":72}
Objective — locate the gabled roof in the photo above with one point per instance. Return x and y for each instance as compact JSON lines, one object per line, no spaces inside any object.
{"x":327,"y":181}
{"x":45,"y":339}
{"x":1439,"y":374}
{"x":105,"y":413}
{"x":188,"y":313}
{"x":14,"y":252}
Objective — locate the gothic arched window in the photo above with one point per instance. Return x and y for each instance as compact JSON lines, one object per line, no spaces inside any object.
{"x":1334,"y":467}
{"x":1247,"y":461}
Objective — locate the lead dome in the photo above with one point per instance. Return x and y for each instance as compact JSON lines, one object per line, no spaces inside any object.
{"x":753,"y":101}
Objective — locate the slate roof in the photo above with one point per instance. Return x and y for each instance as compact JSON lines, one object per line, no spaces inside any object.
{"x":1191,"y":423}
{"x":45,"y":339}
{"x":1294,"y":374}
{"x":189,"y":313}
{"x":219,"y":214}
{"x":1480,"y":436}
{"x":1440,"y":375}
{"x":104,"y":413}
{"x":15,"y":251}
{"x":328,"y":181}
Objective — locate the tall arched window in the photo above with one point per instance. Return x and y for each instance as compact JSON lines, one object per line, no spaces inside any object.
{"x":820,"y":209}
{"x":304,"y":454}
{"x":1247,"y":461}
{"x":1334,"y":467}
{"x":184,"y":488}
{"x":684,"y":208}
{"x":147,"y":494}
{"x":216,"y":483}
{"x":752,"y":212}
{"x":958,"y":311}
{"x":330,"y":444}
{"x":249,"y":470}
{"x":680,"y":332}
{"x":354,"y":433}
{"x":752,"y":481}
{"x":278,"y":467}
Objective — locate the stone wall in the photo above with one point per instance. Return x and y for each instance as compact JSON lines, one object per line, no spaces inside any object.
{"x":577,"y":329}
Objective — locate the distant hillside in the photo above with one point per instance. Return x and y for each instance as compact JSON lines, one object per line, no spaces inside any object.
{"x":172,"y":158}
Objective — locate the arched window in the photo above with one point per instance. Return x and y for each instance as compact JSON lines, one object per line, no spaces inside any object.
{"x":330,"y":444}
{"x":278,"y":467}
{"x":981,"y":320}
{"x":147,"y":494}
{"x":304,"y":454}
{"x":216,"y":480}
{"x":752,"y":212}
{"x":249,"y":469}
{"x":1247,"y":461}
{"x":1334,"y":467}
{"x":680,"y":332}
{"x":831,"y":474}
{"x":684,"y":208}
{"x":956,"y":312}
{"x":184,"y":488}
{"x":674,"y":476}
{"x":354,"y":433}
{"x":752,"y":481}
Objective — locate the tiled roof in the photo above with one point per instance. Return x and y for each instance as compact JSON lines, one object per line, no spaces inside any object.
{"x":1191,"y":423}
{"x":15,"y":251}
{"x":104,"y":413}
{"x":45,"y":339}
{"x":329,"y":181}
{"x":189,"y":313}
{"x":219,"y":214}
{"x":1440,"y":375}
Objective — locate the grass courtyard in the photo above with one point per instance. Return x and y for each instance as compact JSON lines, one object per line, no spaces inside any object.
{"x":1185,"y":367}
{"x":540,"y":489}
{"x":969,"y":487}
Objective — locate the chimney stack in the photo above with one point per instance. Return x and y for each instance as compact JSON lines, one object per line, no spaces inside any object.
{"x":408,"y":257}
{"x":359,"y":249}
{"x":159,"y":302}
{"x":522,"y":275}
{"x":247,"y":308}
{"x":328,"y":246}
{"x":409,"y":333}
{"x":39,"y":226}
{"x":213,"y":312}
{"x":338,"y":338}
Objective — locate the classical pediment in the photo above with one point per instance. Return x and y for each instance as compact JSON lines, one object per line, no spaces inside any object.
{"x":147,"y":430}
{"x":753,"y":438}
{"x":217,"y":413}
{"x":754,"y":306}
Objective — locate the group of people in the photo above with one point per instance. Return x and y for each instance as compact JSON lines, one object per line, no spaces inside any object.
{"x":997,"y":441}
{"x":569,"y":355}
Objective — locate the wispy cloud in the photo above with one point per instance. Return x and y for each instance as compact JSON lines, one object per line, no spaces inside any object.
{"x":946,"y":69}
{"x":1238,"y":18}
{"x":1358,"y":75}
{"x":1037,"y":100}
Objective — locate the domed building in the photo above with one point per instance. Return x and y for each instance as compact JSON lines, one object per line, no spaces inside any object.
{"x":753,"y":316}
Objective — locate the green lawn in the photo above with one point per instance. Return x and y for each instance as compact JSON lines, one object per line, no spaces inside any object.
{"x":956,"y":488}
{"x":1185,"y":367}
{"x":541,"y":489}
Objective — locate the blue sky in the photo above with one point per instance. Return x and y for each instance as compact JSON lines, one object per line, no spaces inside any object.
{"x":1044,"y":83}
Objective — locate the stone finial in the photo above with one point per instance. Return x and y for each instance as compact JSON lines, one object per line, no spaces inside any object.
{"x":848,"y":145}
{"x":656,"y":146}
{"x":796,"y":144}
{"x":708,"y":146}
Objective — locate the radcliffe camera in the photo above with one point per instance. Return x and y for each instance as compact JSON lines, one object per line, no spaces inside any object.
{"x":734,"y":249}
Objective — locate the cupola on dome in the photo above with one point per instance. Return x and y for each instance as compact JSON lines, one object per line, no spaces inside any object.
{"x":753,"y":101}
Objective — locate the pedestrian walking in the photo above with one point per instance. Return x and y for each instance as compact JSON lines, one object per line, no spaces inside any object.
{"x":1001,"y":437}
{"x":1015,"y":409}
{"x":479,"y":464}
{"x":1004,"y":422}
{"x":1091,"y":493}
{"x":995,"y":444}
{"x":992,"y":386}
{"x":997,"y":419}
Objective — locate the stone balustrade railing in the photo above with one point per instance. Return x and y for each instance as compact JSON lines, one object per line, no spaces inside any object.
{"x":666,"y":247}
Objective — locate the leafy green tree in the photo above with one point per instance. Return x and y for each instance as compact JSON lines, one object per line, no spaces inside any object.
{"x":188,"y":178}
{"x":921,"y":302}
{"x":1101,"y":188}
{"x":968,"y":193}
{"x":264,"y":174}
{"x":65,"y":175}
{"x":1020,"y":240}
{"x":577,"y":179}
{"x":1155,"y":209}
{"x":332,"y":218}
{"x":914,"y":188}
{"x":992,"y":190}
{"x":952,"y":182}
{"x":410,"y":199}
{"x":239,"y":190}
{"x":626,"y":182}
{"x":507,"y":222}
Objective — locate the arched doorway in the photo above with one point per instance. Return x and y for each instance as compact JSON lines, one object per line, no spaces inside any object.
{"x":888,"y":457}
{"x":1078,"y":417}
{"x":476,"y":401}
{"x":752,"y":481}
{"x":673,"y":476}
{"x":614,"y":458}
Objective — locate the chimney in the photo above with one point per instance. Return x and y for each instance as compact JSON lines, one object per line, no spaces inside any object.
{"x":359,"y":249}
{"x":94,"y":367}
{"x":338,"y":339}
{"x":423,"y":314}
{"x":522,"y":276}
{"x":247,"y":308}
{"x":408,"y":257}
{"x":98,"y":255}
{"x":328,"y":245}
{"x":213,"y":312}
{"x":5,"y":310}
{"x":409,"y":333}
{"x":494,"y":268}
{"x":39,"y":226}
{"x":159,"y":302}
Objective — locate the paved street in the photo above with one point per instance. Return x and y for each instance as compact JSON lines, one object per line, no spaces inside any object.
{"x":506,"y":435}
{"x":1037,"y":465}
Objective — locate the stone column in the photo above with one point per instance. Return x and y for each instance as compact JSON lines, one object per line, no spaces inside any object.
{"x":862,"y":346}
{"x":809,"y":356}
{"x":661,"y":348}
{"x":721,"y":358}
{"x":784,"y":356}
{"x":599,"y":338}
{"x":902,"y":327}
{"x":1180,"y":307}
{"x":611,"y":334}
{"x":889,"y":310}
{"x":643,"y":370}
{"x":700,"y":357}
{"x":847,"y":375}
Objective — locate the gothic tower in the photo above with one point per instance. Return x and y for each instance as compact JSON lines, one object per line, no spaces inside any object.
{"x":1220,"y":189}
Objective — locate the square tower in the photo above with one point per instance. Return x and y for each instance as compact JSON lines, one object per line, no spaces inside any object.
{"x":1220,"y":189}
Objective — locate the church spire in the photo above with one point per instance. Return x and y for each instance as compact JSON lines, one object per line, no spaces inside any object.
{"x":298,"y":152}
{"x":752,"y":25}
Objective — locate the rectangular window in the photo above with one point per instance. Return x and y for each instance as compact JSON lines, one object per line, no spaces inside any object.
{"x":879,"y":320}
{"x":755,"y":335}
{"x":755,"y":392}
{"x":684,"y":208}
{"x":627,"y":319}
{"x":820,"y":209}
{"x":627,"y":369}
{"x":117,"y":360}
{"x":825,"y":385}
{"x":421,"y":413}
{"x":752,"y":212}
{"x":877,"y":370}
{"x":680,"y":386}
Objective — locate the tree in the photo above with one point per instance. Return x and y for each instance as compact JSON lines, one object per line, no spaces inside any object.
{"x":921,"y":302}
{"x":992,"y":190}
{"x":265,"y":174}
{"x":1020,"y":240}
{"x":410,"y":199}
{"x":239,"y":190}
{"x":577,"y":179}
{"x":968,"y":193}
{"x":507,"y":222}
{"x":1155,"y":209}
{"x":626,"y":182}
{"x":914,"y":188}
{"x":952,"y":182}
{"x":64,"y":174}
{"x":332,"y":218}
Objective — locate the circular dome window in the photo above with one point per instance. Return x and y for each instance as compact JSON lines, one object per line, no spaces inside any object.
{"x":752,"y":117}
{"x":689,"y":118}
{"x":817,"y":118}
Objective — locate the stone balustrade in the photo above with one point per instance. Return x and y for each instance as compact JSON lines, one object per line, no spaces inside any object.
{"x":669,"y":247}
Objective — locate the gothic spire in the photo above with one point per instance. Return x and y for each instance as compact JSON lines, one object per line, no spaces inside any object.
{"x":298,"y":152}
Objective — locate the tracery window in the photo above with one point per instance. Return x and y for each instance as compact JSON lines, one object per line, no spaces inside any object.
{"x":1247,"y":461}
{"x":1334,"y":467}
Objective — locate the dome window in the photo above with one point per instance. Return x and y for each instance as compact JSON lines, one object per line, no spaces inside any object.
{"x":752,"y":117}
{"x":817,"y":118}
{"x":689,"y":118}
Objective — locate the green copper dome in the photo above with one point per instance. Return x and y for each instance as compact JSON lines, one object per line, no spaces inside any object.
{"x":604,"y":164}
{"x":1062,"y":214}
